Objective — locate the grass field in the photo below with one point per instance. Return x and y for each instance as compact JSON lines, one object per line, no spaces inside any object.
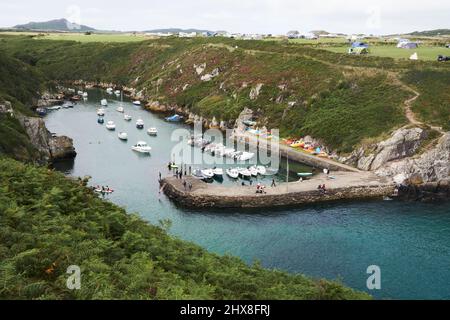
{"x":116,"y":37}
{"x":425,"y":53}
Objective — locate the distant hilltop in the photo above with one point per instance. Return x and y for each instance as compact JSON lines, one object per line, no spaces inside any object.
{"x":54,"y":25}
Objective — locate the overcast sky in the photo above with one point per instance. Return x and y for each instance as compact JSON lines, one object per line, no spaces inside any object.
{"x":246,"y":16}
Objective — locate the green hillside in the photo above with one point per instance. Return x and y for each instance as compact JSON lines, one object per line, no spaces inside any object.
{"x":338,"y":98}
{"x":48,"y":222}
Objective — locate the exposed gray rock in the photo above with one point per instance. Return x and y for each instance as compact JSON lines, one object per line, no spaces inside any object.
{"x":200,"y":68}
{"x":5,"y":107}
{"x":245,"y":115}
{"x":61,"y":148}
{"x":210,"y":76}
{"x":433,"y":165}
{"x":254,"y":93}
{"x":403,"y":143}
{"x":49,"y":147}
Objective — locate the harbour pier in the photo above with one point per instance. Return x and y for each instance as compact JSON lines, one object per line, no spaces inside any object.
{"x":343,"y":186}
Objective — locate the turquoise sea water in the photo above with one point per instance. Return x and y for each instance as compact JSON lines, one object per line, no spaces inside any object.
{"x":409,"y":241}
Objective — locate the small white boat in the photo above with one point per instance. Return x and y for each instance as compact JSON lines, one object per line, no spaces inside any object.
{"x":140,"y":124}
{"x":109,"y":90}
{"x":233,"y":173}
{"x":104,"y":102}
{"x":244,"y":173}
{"x":120,"y":109}
{"x":80,"y":92}
{"x":127,"y":117}
{"x":101,"y":112}
{"x":141,"y":147}
{"x":110,"y":125}
{"x":54,"y":108}
{"x":218,"y":172}
{"x":152,"y":132}
{"x":117,"y":92}
{"x":253,"y":171}
{"x":137,"y":103}
{"x":246,"y":156}
{"x":123,"y":136}
{"x":197,"y":173}
{"x":85,"y":94}
{"x":208,"y":173}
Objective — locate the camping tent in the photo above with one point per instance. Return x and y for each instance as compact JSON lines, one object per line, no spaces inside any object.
{"x":406,"y":44}
{"x":414,"y":56}
{"x":360,"y":45}
{"x":358,"y":50}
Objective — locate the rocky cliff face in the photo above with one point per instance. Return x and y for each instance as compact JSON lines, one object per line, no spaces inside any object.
{"x":50,"y":148}
{"x":431,"y":166}
{"x":403,"y":143}
{"x":397,"y":157}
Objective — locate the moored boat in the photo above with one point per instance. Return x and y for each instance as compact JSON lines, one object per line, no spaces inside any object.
{"x":100,"y":120}
{"x":218,"y":172}
{"x":101,"y":112}
{"x":104,"y":102}
{"x":110,"y":125}
{"x":123,"y":136}
{"x":140,"y":124}
{"x":120,"y":109}
{"x":174,"y":118}
{"x":127,"y":117}
{"x":137,"y":103}
{"x":141,"y":147}
{"x":232,"y":173}
{"x":244,"y":173}
{"x":152,"y":132}
{"x":208,"y":173}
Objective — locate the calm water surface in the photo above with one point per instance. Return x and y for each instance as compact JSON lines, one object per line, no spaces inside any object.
{"x":409,"y":241}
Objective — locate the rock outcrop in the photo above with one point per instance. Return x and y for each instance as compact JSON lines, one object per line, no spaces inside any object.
{"x":403,"y":143}
{"x":431,"y":166}
{"x":50,"y":148}
{"x":6,"y":108}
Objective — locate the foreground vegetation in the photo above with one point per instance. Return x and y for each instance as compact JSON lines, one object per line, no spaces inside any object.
{"x":49,"y":222}
{"x":19,"y":85}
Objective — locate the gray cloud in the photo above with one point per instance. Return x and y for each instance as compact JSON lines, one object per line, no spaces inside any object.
{"x":267,"y":16}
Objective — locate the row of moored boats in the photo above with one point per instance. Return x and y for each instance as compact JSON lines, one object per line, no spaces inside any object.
{"x":234,"y":173}
{"x":219,"y":150}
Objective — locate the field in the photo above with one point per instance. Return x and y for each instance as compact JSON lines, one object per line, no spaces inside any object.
{"x":424,"y":53}
{"x":80,"y":37}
